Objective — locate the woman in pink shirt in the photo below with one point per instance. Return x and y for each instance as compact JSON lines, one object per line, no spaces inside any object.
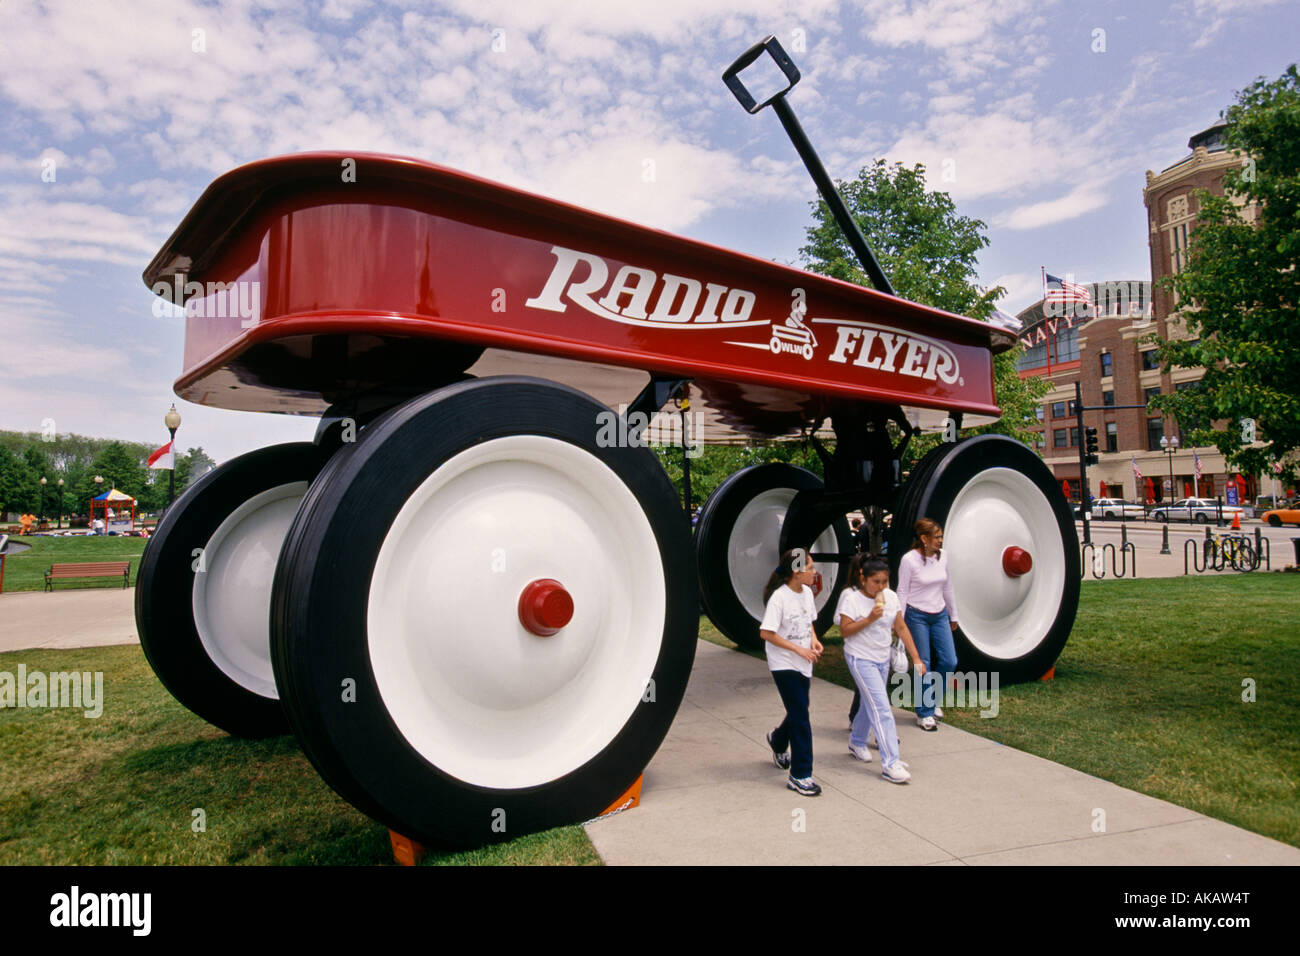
{"x":925,"y":592}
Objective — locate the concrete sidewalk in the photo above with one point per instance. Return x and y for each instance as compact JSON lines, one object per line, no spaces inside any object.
{"x":712,"y":796}
{"x":91,"y":617}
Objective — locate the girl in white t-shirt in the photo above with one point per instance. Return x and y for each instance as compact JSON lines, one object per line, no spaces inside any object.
{"x":868,"y":614}
{"x":792,"y":647}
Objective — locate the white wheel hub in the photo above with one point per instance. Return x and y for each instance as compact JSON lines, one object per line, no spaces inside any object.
{"x":232,"y":589}
{"x":753,"y":550}
{"x":467,"y":684}
{"x":1004,"y":616}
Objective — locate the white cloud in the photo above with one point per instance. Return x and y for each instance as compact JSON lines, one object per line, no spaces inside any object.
{"x":1082,"y":199}
{"x":1023,"y":288}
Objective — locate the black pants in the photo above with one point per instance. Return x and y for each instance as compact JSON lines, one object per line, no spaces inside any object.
{"x":795,"y":731}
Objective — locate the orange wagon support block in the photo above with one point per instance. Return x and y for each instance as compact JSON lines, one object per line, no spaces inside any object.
{"x":408,"y":852}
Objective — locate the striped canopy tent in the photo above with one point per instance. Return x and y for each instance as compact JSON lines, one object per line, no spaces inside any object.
{"x":116,"y":500}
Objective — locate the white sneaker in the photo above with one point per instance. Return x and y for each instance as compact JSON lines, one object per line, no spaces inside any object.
{"x":926,"y":723}
{"x":938,"y":713}
{"x":862,"y":753}
{"x":896,"y":773}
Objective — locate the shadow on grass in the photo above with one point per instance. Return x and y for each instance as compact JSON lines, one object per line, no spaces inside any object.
{"x":149,"y":783}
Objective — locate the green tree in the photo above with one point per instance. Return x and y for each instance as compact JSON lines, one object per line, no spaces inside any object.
{"x":930,"y":254}
{"x":192,"y":466}
{"x":11,"y":482}
{"x":1240,"y":290}
{"x":715,"y":463}
{"x":121,"y":467}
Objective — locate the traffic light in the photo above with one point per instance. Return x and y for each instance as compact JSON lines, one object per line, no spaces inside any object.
{"x":1090,"y":445}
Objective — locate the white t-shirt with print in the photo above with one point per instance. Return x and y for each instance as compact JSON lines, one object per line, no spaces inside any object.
{"x":790,"y":616}
{"x":872,"y":642}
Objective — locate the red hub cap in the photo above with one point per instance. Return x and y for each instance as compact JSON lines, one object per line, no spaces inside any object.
{"x":545,"y":607}
{"x":1016,"y":561}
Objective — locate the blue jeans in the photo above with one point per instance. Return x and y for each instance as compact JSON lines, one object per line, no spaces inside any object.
{"x":795,"y":731}
{"x":931,"y":632}
{"x":875,"y":713}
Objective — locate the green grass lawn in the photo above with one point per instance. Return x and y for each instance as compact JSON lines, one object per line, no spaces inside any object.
{"x":26,"y":571}
{"x":1148,"y":695}
{"x":122,"y":788}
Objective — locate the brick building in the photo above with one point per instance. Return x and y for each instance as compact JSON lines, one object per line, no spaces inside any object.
{"x":1106,"y":348}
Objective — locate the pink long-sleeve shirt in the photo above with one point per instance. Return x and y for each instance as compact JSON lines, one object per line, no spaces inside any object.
{"x":923,"y":583}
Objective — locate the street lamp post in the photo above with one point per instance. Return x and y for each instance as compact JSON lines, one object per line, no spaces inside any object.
{"x":41,"y":520}
{"x":60,"y":519}
{"x":1170,"y":448}
{"x":173,"y":422}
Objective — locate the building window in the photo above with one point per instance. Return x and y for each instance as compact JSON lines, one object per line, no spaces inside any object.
{"x":1035,"y":356}
{"x":1038,"y":412}
{"x":1112,"y":437}
{"x":1108,"y":398}
{"x":1066,"y":345}
{"x":1058,"y":409}
{"x":1058,"y":438}
{"x":1106,"y":370}
{"x":1074,"y":437}
{"x":1178,"y":255}
{"x":1150,"y":393}
{"x":1155,"y":432}
{"x":1149,"y":361}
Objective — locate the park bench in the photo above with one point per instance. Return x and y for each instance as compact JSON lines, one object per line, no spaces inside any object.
{"x":89,"y":569}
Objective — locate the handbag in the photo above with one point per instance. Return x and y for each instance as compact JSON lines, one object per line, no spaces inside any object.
{"x":898,"y":657}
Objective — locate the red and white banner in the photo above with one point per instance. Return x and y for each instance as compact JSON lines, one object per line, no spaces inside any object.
{"x":164,"y":457}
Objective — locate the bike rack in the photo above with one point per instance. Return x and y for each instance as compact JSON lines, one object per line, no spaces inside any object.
{"x":1119,"y":566}
{"x":1263,"y":551}
{"x":1213,"y":554}
{"x":1198,"y":557}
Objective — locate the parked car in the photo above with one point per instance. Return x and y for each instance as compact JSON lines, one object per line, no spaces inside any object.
{"x":1116,"y":508}
{"x":1200,"y":510}
{"x":1280,"y":516}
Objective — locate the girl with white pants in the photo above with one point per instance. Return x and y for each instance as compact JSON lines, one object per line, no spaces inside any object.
{"x":868,"y":612}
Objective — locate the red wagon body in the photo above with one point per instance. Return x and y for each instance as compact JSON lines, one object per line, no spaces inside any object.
{"x":302,"y":287}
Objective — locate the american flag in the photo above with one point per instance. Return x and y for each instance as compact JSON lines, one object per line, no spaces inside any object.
{"x":1137,"y":472}
{"x":1197,"y":458}
{"x":1277,"y":468}
{"x":1060,"y":292}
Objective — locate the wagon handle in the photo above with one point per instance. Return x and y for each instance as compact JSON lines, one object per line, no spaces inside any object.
{"x":806,"y":152}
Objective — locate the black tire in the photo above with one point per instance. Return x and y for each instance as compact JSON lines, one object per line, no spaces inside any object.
{"x":1158,"y":516}
{"x":351,"y":617}
{"x":233,"y":691}
{"x":735,"y":606}
{"x":1027,"y":639}
{"x":1200,"y":519}
{"x":1274,"y":521}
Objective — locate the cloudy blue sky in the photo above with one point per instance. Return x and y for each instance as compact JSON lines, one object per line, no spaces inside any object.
{"x":1044,"y":126}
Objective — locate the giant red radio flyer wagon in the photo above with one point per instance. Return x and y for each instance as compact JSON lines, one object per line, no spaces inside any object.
{"x":474,"y":597}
